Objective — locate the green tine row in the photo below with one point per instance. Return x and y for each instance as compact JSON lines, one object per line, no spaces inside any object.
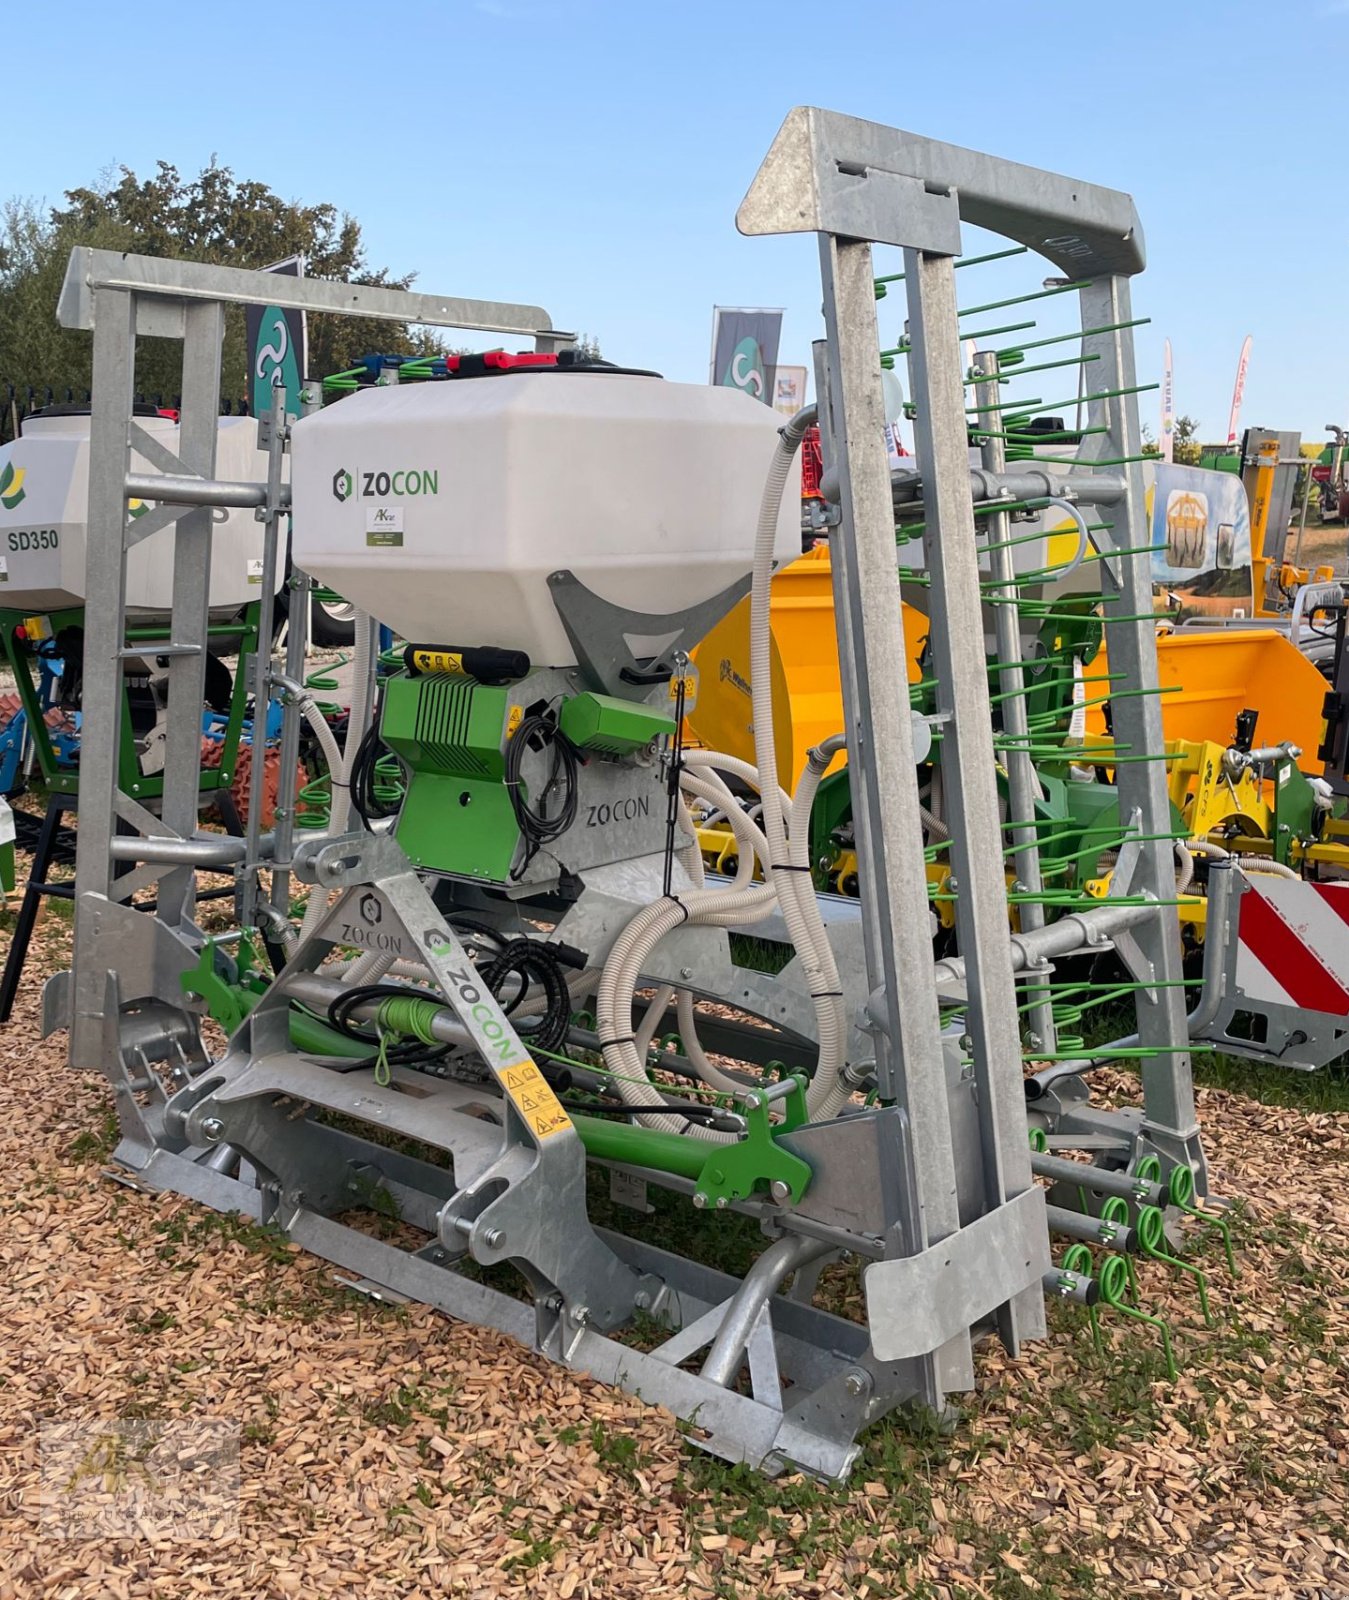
{"x":1078,"y":333}
{"x":1024,"y":299}
{"x":961,"y":261}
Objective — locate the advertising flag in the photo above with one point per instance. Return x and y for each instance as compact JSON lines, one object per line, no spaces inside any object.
{"x":1168,"y":408}
{"x":745,"y":349}
{"x":276,"y":342}
{"x":1237,"y":392}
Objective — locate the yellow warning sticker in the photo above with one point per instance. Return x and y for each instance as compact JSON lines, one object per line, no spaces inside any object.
{"x":514,"y":717}
{"x":533,"y":1099}
{"x":436,"y":661}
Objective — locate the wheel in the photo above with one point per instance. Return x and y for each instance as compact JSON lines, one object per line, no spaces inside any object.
{"x":333,"y":621}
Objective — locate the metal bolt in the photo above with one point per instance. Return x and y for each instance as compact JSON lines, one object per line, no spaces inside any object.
{"x":722,"y":1202}
{"x":1034,"y":1041}
{"x":494,"y":1238}
{"x":581,"y":1316}
{"x":642,"y":1300}
{"x":699,"y":1199}
{"x":857,"y":1383}
{"x":966,"y":1042}
{"x":780,"y":1191}
{"x":686,"y":972}
{"x":213,"y":1128}
{"x":553,"y":1303}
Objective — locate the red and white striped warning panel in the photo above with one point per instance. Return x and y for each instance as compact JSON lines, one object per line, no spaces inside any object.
{"x":1294,"y":944}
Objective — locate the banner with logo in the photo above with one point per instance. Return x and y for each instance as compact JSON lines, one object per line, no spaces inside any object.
{"x":275,"y":341}
{"x":789,"y":390}
{"x":745,"y":349}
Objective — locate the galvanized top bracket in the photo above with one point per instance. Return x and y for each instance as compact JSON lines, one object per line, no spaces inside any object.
{"x":827,"y":173}
{"x":169,"y":281}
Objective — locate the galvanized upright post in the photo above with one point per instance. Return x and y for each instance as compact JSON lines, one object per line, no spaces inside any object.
{"x":114,"y":368}
{"x":203,"y":331}
{"x":968,"y":758}
{"x":893,"y":881}
{"x":1136,"y":718}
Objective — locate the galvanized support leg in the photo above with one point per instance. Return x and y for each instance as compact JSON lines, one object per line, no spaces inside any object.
{"x":105,"y":576}
{"x":881,"y":759}
{"x":968,"y":759}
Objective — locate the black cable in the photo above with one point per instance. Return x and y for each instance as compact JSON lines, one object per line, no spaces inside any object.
{"x":536,"y":826}
{"x":691,"y":1111}
{"x":371,"y":750}
{"x":529,"y":960}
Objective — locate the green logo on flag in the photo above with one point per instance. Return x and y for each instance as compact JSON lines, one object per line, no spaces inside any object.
{"x":273,"y":353}
{"x":745,"y":370}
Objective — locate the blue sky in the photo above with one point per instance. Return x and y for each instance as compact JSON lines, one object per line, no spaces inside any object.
{"x":589,"y":155}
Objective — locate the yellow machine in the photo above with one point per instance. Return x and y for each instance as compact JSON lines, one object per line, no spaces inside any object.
{"x":1269,"y":597}
{"x":1207,"y":677}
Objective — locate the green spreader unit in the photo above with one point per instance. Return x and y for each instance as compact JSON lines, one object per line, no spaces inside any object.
{"x":452,"y":734}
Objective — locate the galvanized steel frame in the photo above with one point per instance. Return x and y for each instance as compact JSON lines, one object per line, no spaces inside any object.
{"x":120,"y":297}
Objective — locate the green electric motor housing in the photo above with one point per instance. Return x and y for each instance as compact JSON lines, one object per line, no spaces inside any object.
{"x":611,"y":727}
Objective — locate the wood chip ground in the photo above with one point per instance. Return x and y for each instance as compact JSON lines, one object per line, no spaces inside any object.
{"x":391,"y":1453}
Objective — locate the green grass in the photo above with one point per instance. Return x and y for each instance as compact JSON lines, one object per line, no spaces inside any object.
{"x":1324,"y":1090}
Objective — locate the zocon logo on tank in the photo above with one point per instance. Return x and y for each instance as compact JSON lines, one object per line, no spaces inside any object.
{"x":275,"y":353}
{"x":745,"y":369}
{"x":11,"y":485}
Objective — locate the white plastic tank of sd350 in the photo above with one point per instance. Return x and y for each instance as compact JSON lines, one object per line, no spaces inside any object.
{"x":44,"y":510}
{"x":442,"y":507}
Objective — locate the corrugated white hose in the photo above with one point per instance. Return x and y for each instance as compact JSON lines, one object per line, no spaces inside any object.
{"x":752,"y":844}
{"x":792,"y":879}
{"x":717,"y":761}
{"x":825,"y":1096}
{"x":687,"y":1017}
{"x":749,"y":836}
{"x":289,"y":939}
{"x":621,"y":973}
{"x":358,"y":723}
{"x":1215,"y":852}
{"x":1271,"y":869}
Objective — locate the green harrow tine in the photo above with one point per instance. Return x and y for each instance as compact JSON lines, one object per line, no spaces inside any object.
{"x":1113,"y":1279}
{"x":1151,"y":1236}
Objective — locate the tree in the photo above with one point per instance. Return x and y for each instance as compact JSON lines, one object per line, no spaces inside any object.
{"x":1185,"y":441}
{"x":213,"y":217}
